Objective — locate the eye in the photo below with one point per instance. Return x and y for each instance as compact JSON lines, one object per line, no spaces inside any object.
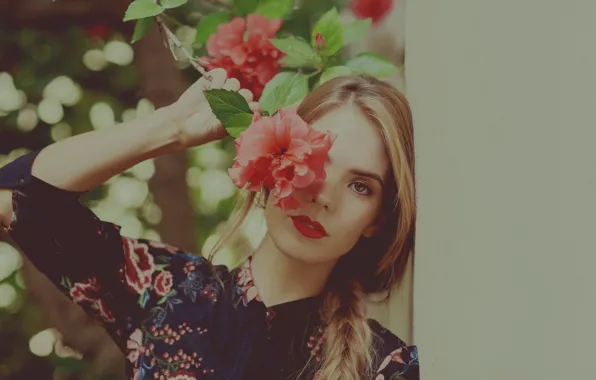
{"x":361,"y":188}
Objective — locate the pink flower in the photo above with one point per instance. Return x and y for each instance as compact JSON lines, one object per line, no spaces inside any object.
{"x":163,"y":283}
{"x":138,"y":265}
{"x":282,"y":153}
{"x":134,"y":346}
{"x":250,"y":58}
{"x":375,"y":9}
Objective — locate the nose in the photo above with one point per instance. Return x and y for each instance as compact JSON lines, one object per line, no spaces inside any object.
{"x":320,"y":194}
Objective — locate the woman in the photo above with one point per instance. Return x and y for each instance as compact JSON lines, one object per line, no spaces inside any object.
{"x":295,"y":308}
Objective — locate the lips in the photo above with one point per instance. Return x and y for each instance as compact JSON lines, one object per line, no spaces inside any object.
{"x":308,"y":227}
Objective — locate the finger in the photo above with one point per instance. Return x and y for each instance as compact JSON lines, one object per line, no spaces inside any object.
{"x":232,"y":84}
{"x":246,"y":94}
{"x":255,"y":107}
{"x":203,"y":83}
{"x":218,"y":77}
{"x":200,"y":84}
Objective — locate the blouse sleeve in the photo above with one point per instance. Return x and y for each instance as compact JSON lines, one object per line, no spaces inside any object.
{"x":398,"y":361}
{"x":115,"y":279}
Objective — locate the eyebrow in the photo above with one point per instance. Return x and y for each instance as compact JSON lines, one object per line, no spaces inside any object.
{"x":365,"y":173}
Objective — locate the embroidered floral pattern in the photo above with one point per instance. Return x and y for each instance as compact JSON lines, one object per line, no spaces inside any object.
{"x":246,"y":287}
{"x":87,"y":295}
{"x":138,"y":265}
{"x":398,"y":362}
{"x":163,"y":283}
{"x":315,"y":343}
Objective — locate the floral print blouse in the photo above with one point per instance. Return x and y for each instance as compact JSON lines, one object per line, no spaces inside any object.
{"x":173,"y":314}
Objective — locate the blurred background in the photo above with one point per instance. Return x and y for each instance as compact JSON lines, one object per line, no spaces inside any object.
{"x":68,"y":67}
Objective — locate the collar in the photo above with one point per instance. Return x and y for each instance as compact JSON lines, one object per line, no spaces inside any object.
{"x":248,"y":293}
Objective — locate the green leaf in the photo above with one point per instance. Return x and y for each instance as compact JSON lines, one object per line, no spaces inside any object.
{"x":372,"y":64}
{"x":333,"y":72}
{"x":141,"y":28}
{"x":141,"y":9}
{"x":332,"y":31}
{"x":238,"y":123}
{"x":226,"y":104}
{"x":245,"y":7}
{"x":355,"y":30}
{"x":285,"y":89}
{"x":209,"y":23}
{"x":274,"y":8}
{"x":298,"y":53}
{"x":165,"y":298}
{"x":168,"y":4}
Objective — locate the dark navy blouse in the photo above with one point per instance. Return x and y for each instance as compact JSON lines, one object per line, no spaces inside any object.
{"x":173,"y":314}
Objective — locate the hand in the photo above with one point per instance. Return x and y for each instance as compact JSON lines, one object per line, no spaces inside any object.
{"x":193,"y":119}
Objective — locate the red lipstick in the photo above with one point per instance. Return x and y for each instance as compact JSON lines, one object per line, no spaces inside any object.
{"x":308,"y":227}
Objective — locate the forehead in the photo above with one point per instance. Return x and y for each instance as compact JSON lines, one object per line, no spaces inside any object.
{"x":358,"y":144}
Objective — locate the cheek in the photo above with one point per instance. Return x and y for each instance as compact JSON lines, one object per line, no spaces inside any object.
{"x":355,"y":215}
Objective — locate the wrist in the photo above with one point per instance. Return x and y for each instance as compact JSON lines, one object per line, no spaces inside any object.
{"x":163,"y":136}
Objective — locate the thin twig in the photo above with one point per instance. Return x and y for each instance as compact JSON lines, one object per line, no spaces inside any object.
{"x":173,"y":40}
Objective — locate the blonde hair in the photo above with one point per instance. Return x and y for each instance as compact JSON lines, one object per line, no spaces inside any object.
{"x":375,"y":264}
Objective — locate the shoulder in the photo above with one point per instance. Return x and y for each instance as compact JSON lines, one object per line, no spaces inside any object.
{"x":395,"y":358}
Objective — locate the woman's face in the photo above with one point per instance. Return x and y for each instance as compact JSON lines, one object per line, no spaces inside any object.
{"x":349,"y":201}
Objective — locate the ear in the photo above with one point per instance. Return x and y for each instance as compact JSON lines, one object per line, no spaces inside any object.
{"x":374,"y":228}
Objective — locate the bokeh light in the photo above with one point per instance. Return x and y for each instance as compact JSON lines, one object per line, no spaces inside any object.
{"x":129,"y":192}
{"x":143,"y":170}
{"x":10,"y":260}
{"x":50,"y":111}
{"x":144,"y":107}
{"x":95,"y":60}
{"x":64,"y":90}
{"x":27,"y":119}
{"x":61,"y":131}
{"x":10,"y":99}
{"x":42,"y":343}
{"x":118,"y":52}
{"x":210,"y":156}
{"x":8,"y":295}
{"x":101,"y":115}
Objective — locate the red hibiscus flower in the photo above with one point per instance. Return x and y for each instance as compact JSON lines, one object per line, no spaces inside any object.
{"x":242,"y":48}
{"x":375,"y":9}
{"x":163,"y":283}
{"x":282,"y":153}
{"x":87,"y":294}
{"x":138,"y":265}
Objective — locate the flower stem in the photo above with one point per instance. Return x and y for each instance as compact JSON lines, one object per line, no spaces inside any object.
{"x":173,"y":41}
{"x":318,"y":71}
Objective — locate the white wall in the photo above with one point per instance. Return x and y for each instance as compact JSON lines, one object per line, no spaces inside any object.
{"x":504,"y":98}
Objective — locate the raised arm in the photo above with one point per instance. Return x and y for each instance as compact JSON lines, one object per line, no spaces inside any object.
{"x":116,"y":279}
{"x":85,"y":161}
